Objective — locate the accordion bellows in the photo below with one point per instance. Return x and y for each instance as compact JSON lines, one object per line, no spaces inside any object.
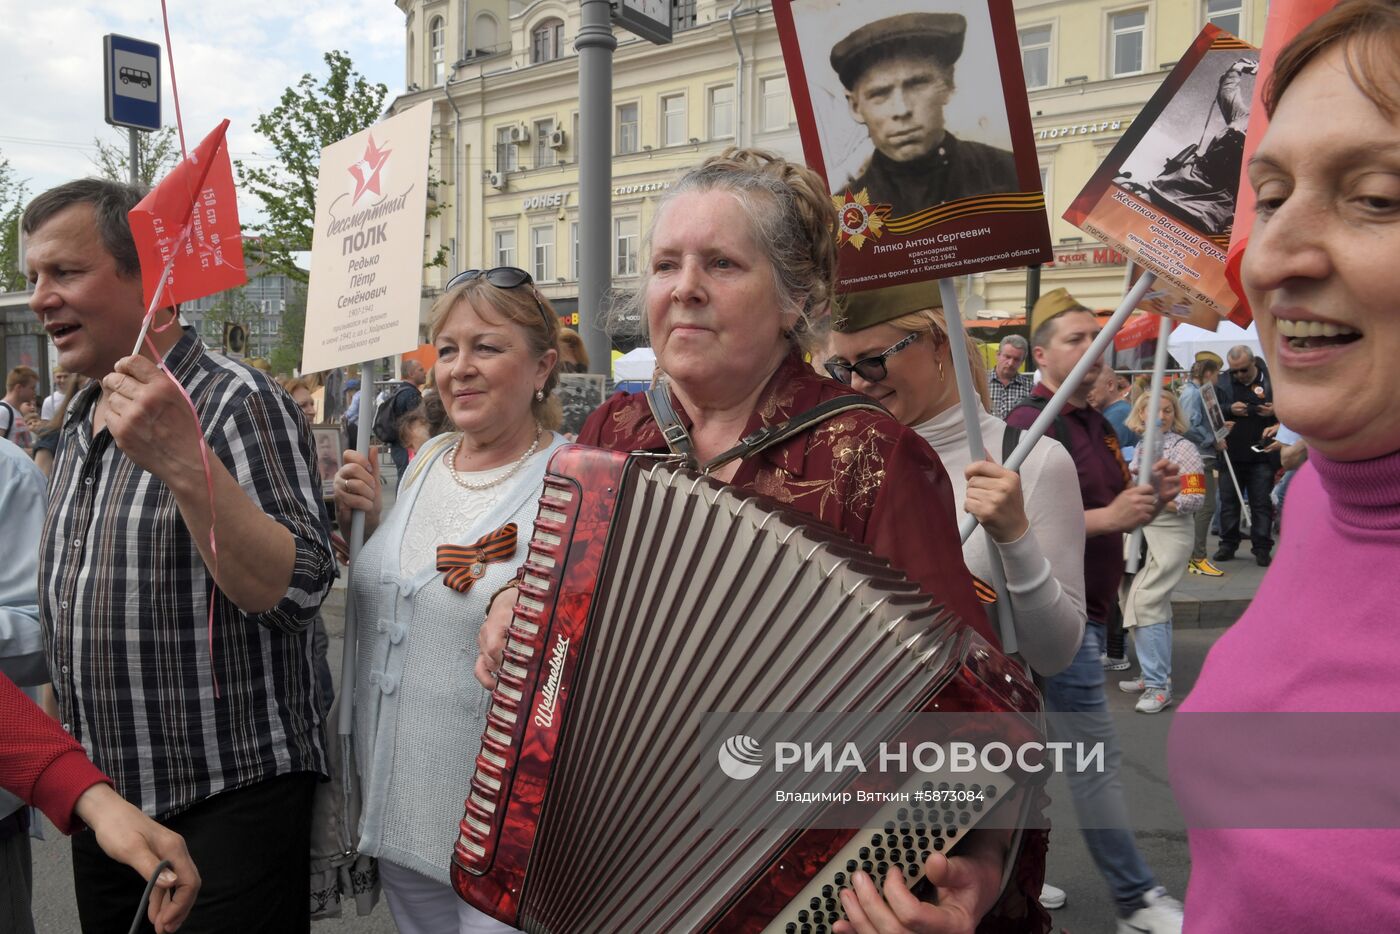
{"x":652,"y":596}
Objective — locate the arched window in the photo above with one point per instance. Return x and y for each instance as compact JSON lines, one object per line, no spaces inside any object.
{"x":547,"y":41}
{"x":487,"y":34}
{"x":437,"y":45}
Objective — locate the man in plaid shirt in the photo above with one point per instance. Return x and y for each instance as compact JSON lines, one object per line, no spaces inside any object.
{"x":209,"y":726}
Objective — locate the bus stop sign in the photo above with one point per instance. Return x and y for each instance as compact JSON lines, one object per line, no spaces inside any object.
{"x":132,"y":81}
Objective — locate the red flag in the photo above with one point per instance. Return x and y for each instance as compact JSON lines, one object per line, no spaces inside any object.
{"x":1287,"y":18}
{"x":193,"y":208}
{"x":1139,"y":330}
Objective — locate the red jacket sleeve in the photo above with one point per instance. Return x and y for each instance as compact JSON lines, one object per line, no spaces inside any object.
{"x":39,"y":762}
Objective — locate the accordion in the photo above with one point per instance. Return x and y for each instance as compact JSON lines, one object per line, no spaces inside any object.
{"x":651,"y":592}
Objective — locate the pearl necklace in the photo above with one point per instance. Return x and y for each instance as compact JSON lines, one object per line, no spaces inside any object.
{"x":451,"y":460}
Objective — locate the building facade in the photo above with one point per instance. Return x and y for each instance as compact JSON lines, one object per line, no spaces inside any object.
{"x":503,"y":79}
{"x":258,"y":305}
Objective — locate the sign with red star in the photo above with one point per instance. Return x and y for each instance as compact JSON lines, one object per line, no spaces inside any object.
{"x":366,"y":171}
{"x":859,"y":219}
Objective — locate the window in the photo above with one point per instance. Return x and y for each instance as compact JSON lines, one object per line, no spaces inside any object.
{"x":487,"y":35}
{"x":775,"y":103}
{"x":629,"y":129}
{"x":1227,"y":14}
{"x":437,"y":45}
{"x":627,"y":234}
{"x":507,"y":157}
{"x":505,"y":248}
{"x":542,"y":246}
{"x":547,"y":41}
{"x":1045,"y":187}
{"x":1127,"y":35}
{"x":673,"y":129}
{"x":682,"y":15}
{"x":573,"y":250}
{"x":722,"y":111}
{"x":544,"y":154}
{"x":1035,"y":56}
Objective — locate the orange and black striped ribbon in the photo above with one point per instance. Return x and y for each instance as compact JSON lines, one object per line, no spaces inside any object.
{"x":463,"y":565}
{"x":985,"y":591}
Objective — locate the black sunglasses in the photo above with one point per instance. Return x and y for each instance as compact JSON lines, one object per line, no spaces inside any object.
{"x":1243,"y":372}
{"x":871,"y":369}
{"x":502,"y":277}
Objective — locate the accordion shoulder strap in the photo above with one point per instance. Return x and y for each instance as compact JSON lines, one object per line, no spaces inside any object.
{"x":677,"y":438}
{"x":771,"y":435}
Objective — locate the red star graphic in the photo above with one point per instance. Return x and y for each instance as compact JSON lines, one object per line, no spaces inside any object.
{"x":366,"y":171}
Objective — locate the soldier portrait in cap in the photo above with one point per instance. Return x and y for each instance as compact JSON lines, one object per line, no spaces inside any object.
{"x":899,"y":77}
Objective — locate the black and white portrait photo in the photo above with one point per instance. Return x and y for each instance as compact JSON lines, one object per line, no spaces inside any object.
{"x":911,"y":110}
{"x":579,"y":394}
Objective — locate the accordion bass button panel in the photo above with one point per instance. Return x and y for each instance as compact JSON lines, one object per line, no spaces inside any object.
{"x":940,"y":811}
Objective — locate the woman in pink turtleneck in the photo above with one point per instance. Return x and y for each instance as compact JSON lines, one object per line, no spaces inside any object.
{"x":1322,"y":274}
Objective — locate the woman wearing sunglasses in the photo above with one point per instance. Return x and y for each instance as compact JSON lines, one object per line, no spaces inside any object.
{"x":892,"y":344}
{"x":741,"y":261}
{"x":422,"y":583}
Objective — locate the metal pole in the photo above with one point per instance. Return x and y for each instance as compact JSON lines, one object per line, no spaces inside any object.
{"x":357,"y":539}
{"x":135,"y":156}
{"x":972,"y":418}
{"x":1032,"y":290}
{"x":1151,"y":433}
{"x":595,"y":44}
{"x":1071,"y":383}
{"x":1239,"y":496}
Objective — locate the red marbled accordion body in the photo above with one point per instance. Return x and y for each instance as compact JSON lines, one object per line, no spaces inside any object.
{"x":583,"y":505}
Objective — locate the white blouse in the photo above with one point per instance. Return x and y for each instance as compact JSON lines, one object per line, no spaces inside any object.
{"x":1045,"y":566}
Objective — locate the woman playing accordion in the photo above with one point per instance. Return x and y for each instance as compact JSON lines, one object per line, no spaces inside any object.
{"x":741,"y":262}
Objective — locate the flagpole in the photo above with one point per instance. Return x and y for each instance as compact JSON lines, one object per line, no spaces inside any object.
{"x":1245,"y":522}
{"x":357,"y":540}
{"x":971,"y":411}
{"x":1076,"y":376}
{"x":1151,"y":433}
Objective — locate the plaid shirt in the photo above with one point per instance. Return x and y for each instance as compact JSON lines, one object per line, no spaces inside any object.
{"x":1005,"y":398}
{"x":124,"y":601}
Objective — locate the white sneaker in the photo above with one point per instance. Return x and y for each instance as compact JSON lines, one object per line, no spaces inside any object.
{"x":1051,"y":897}
{"x":1154,"y":700}
{"x":1161,"y":915}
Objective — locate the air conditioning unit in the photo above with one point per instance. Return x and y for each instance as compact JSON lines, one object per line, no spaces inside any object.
{"x":519,"y":134}
{"x":496,"y":180}
{"x":556,"y":139}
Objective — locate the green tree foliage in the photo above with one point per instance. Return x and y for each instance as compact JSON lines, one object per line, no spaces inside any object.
{"x":12,"y":200}
{"x":286,"y":356}
{"x":157,"y":154}
{"x":309,"y":117}
{"x":231,"y":307}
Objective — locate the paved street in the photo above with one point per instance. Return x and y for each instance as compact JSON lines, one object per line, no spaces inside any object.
{"x":1089,"y":910}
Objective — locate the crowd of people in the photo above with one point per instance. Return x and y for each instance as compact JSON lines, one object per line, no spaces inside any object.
{"x":160,"y":597}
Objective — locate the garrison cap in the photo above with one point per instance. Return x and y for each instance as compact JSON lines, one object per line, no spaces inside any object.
{"x":934,"y":35}
{"x":1210,"y":355}
{"x":1051,"y":305}
{"x":861,"y":310}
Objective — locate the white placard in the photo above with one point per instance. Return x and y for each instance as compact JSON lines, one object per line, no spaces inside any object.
{"x":367,"y":251}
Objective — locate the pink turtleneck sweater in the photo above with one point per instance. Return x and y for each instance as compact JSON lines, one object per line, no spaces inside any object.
{"x":1321,"y":635}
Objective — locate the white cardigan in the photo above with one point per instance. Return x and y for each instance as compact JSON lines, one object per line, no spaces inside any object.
{"x":419,"y":711}
{"x":1045,"y":566}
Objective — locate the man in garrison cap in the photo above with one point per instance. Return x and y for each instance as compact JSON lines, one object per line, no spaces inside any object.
{"x":898,"y":75}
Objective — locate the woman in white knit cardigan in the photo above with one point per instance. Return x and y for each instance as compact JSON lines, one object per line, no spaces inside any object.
{"x":422,"y":583}
{"x":1036,"y":519}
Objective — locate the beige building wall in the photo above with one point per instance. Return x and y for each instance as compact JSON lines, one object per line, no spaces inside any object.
{"x":527,"y":193}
